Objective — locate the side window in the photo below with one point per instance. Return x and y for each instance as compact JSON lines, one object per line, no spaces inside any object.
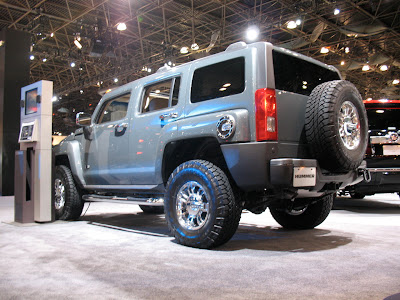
{"x":218,"y":80}
{"x":161,"y":95}
{"x":114,"y":109}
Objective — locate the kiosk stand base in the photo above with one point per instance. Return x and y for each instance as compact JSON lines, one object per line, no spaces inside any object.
{"x":24,"y":206}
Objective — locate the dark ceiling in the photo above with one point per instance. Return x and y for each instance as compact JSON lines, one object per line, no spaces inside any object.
{"x":157,"y":30}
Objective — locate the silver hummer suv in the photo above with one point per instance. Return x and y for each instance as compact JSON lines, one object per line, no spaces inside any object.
{"x":253,"y":127}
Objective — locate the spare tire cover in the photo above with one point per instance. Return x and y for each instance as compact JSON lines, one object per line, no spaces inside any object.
{"x":336,"y":126}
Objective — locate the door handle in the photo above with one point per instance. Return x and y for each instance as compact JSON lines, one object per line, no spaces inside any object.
{"x":121,"y":127}
{"x":172,"y":115}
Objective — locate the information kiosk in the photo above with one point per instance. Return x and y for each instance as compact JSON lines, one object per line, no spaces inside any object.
{"x":33,"y":162}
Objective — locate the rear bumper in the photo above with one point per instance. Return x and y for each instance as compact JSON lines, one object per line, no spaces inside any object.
{"x":255,"y":166}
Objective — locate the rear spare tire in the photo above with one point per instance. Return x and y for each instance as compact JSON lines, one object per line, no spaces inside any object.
{"x":336,"y":126}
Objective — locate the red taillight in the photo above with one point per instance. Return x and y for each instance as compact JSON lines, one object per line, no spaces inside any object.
{"x":266,"y":121}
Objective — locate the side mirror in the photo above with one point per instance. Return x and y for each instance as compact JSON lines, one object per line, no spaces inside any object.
{"x":83,"y":119}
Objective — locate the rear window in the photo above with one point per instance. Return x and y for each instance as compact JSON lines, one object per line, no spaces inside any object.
{"x":296,"y":75}
{"x":218,"y":80}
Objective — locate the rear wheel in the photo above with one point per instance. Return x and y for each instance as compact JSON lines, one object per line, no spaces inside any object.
{"x":148,"y":209}
{"x":200,"y":207}
{"x":306,"y":217}
{"x":68,"y":202}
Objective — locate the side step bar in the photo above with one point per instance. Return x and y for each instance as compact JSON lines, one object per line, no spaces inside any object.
{"x":131,"y":200}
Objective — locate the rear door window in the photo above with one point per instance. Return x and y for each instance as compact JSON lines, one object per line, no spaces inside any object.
{"x":299,"y":76}
{"x":218,"y":80}
{"x":161,"y":95}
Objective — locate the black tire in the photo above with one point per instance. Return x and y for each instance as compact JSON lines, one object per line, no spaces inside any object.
{"x":313,"y":215}
{"x":67,"y":197}
{"x":152,"y":209}
{"x":325,"y":105}
{"x":214,"y":192}
{"x":355,"y":195}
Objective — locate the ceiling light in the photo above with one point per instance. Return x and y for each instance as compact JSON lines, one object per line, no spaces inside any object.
{"x":383,"y":68}
{"x":298,"y":22}
{"x":184,"y":50}
{"x":252,"y":33}
{"x":149,"y":70}
{"x":77,"y":44}
{"x":336,"y":11}
{"x":121,"y":26}
{"x":342,"y":63}
{"x":52,"y":34}
{"x":324,"y":50}
{"x":44,"y":59}
{"x":169,"y":63}
{"x":365,"y":68}
{"x":32,"y":57}
{"x":291,"y":25}
{"x":347,"y":50}
{"x":194,"y":46}
{"x":81,"y":91}
{"x":72,"y":65}
{"x":54,"y":99}
{"x":396,"y":81}
{"x":115,"y":80}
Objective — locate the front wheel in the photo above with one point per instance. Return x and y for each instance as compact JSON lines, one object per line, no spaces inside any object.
{"x":200,"y":207}
{"x":306,"y":217}
{"x":67,"y":198}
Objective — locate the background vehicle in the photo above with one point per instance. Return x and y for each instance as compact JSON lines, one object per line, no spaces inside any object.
{"x":383,"y":152}
{"x":253,"y":127}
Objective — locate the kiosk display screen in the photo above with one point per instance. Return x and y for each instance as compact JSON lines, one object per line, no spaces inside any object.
{"x":30,"y":101}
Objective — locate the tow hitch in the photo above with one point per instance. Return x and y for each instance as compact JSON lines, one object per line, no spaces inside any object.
{"x":365,"y":174}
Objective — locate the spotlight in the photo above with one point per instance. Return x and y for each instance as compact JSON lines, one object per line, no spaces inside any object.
{"x":78,"y":44}
{"x":298,"y":22}
{"x":52,"y":34}
{"x":44,"y":59}
{"x":194,"y":47}
{"x":54,"y":99}
{"x":324,"y":50}
{"x":383,"y":68}
{"x":291,"y":25}
{"x":252,"y":33}
{"x":396,"y":81}
{"x":342,"y":63}
{"x":184,"y":50}
{"x":121,"y":26}
{"x":336,"y":11}
{"x":32,"y":57}
{"x":149,"y":70}
{"x":365,"y":68}
{"x":72,"y":65}
{"x":347,"y":50}
{"x":81,"y":91}
{"x":115,"y":80}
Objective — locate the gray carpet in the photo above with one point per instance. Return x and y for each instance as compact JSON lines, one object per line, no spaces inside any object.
{"x":117,"y":252}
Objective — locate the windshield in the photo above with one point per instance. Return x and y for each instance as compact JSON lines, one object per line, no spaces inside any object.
{"x":381,"y":116}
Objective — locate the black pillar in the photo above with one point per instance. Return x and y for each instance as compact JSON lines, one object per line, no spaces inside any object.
{"x":14,"y":74}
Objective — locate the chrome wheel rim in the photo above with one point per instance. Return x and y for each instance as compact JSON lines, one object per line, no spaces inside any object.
{"x":192,"y":206}
{"x":349,"y":125}
{"x":59,"y":200}
{"x":296,"y":212}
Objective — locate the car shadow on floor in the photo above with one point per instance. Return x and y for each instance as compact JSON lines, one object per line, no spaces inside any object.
{"x":247,"y":236}
{"x":278,"y":239}
{"x":366,"y":206}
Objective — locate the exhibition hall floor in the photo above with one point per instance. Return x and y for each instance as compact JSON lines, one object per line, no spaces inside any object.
{"x":117,"y":252}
